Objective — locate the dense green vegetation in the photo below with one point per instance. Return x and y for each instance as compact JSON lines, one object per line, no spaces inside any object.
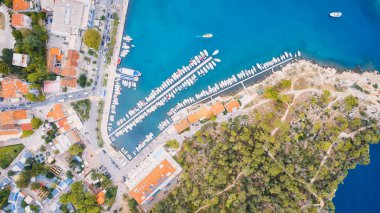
{"x":99,"y":124}
{"x":32,"y":169}
{"x":92,"y":38}
{"x":83,"y":108}
{"x":259,"y":163}
{"x":112,"y":43}
{"x":82,"y":80}
{"x":76,"y":149}
{"x":9,"y":153}
{"x":4,"y":194}
{"x":83,"y":200}
{"x":36,"y":123}
{"x":173,"y":144}
{"x":33,"y":43}
{"x":26,"y":133}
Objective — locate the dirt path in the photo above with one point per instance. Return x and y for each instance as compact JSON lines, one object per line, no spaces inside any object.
{"x":223,"y":191}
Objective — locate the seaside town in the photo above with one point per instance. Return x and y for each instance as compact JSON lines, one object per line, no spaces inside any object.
{"x":62,"y":124}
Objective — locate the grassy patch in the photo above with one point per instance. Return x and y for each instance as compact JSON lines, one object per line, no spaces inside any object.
{"x":9,"y":153}
{"x":99,"y":124}
{"x":112,"y":43}
{"x":83,"y":108}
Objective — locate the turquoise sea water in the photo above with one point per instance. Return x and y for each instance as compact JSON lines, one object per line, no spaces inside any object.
{"x":245,"y":32}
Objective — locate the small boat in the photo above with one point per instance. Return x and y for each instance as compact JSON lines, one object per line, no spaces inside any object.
{"x":336,"y":14}
{"x":215,"y":52}
{"x":129,"y":72}
{"x":207,"y":35}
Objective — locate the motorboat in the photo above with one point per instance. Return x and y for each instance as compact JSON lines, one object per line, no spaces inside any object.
{"x":336,"y":14}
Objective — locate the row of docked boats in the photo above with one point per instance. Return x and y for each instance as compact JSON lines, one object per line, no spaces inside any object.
{"x":232,"y":81}
{"x":163,"y":124}
{"x":140,"y":146}
{"x":129,"y":84}
{"x":126,"y":46}
{"x":158,"y":97}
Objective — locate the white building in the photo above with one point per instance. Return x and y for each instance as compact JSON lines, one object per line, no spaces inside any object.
{"x":20,"y":60}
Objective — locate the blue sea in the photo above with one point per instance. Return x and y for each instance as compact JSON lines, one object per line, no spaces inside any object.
{"x":245,"y":32}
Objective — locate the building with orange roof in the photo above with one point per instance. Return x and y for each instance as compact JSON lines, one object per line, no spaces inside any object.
{"x":232,"y":106}
{"x":64,"y":64}
{"x":147,"y":186}
{"x":6,"y":134}
{"x":21,"y":5}
{"x":100,"y":198}
{"x":13,"y":88}
{"x":68,"y":72}
{"x":69,"y":82}
{"x":26,"y":126}
{"x":217,"y":108}
{"x":12,"y":123}
{"x":72,"y":58}
{"x":56,"y":113}
{"x":152,"y":175}
{"x":54,"y":59}
{"x":193,"y":118}
{"x":204,"y":113}
{"x":181,"y":126}
{"x":20,"y":21}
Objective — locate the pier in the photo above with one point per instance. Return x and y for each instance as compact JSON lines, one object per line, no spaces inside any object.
{"x":163,"y":94}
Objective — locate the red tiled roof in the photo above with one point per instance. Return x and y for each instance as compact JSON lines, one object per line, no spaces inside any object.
{"x":152,"y":181}
{"x":72,"y":58}
{"x":17,"y":20}
{"x":56,"y":112}
{"x":182,"y":125}
{"x":232,"y":105}
{"x":11,"y":117}
{"x":217,"y":108}
{"x":204,"y":113}
{"x":69,"y":71}
{"x":69,"y":82}
{"x":27,"y":126}
{"x":100,"y":198}
{"x":53,"y":56}
{"x":20,"y":5}
{"x":9,"y":131}
{"x":193,"y":118}
{"x":13,"y":88}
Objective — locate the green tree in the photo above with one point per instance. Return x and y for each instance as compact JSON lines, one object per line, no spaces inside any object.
{"x":7,"y":56}
{"x":82,"y":80}
{"x":4,"y":194}
{"x":4,"y":68}
{"x":80,"y":198}
{"x":76,"y":149}
{"x":172,"y":144}
{"x":36,"y":123}
{"x":23,"y":179}
{"x":26,"y":133}
{"x":92,"y":38}
{"x":351,"y":102}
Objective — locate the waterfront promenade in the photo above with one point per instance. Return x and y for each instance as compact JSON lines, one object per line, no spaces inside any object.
{"x":111,"y":71}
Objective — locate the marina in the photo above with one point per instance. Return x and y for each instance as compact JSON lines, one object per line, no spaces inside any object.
{"x":180,"y":80}
{"x":162,"y":45}
{"x":177,"y":82}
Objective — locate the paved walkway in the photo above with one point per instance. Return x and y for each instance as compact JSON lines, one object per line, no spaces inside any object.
{"x":6,"y":38}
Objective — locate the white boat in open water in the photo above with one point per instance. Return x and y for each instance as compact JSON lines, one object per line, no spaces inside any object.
{"x":336,"y":14}
{"x":207,"y":35}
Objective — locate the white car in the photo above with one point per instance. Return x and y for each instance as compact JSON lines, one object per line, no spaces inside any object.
{"x":70,"y":96}
{"x":61,"y":100}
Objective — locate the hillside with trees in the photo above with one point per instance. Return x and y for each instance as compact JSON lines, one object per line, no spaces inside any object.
{"x":289,"y":153}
